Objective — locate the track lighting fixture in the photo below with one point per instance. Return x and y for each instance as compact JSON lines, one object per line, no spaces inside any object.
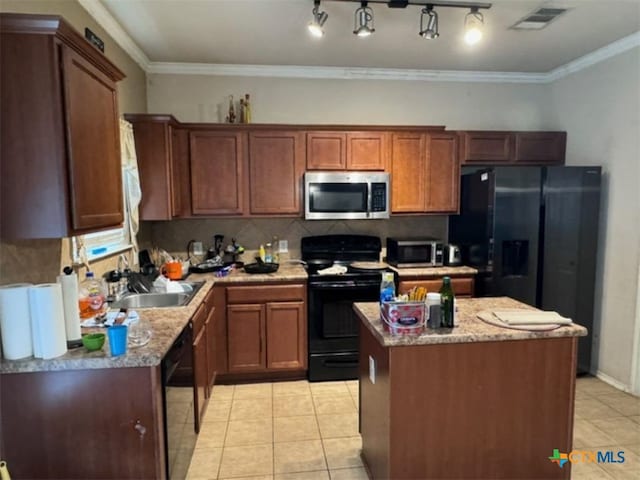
{"x":319,"y":18}
{"x":363,"y":21}
{"x":363,"y":24}
{"x":430,"y":31}
{"x":473,"y":23}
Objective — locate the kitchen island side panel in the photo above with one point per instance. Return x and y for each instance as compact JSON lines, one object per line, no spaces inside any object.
{"x":374,"y":405}
{"x":472,"y":410}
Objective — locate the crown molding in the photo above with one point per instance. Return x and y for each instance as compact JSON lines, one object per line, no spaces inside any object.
{"x":597,"y":56}
{"x":113,"y":28}
{"x":101,"y":15}
{"x":343,"y":73}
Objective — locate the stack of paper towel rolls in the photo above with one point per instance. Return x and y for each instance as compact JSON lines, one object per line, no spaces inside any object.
{"x":32,"y":321}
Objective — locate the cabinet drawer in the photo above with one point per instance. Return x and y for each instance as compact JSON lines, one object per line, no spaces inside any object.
{"x":208,"y":300}
{"x":271,"y":293}
{"x":462,"y":287}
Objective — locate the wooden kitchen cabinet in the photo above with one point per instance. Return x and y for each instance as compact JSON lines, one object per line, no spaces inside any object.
{"x":509,"y":148}
{"x":462,"y":286}
{"x":329,"y":150}
{"x":245,"y":330}
{"x":486,"y":147}
{"x":540,"y":147}
{"x":162,"y":151}
{"x":60,"y":140}
{"x":443,"y":173}
{"x":285,"y":335}
{"x":266,"y":328}
{"x":276,"y":166}
{"x":211,"y":334}
{"x":425,"y":172}
{"x":94,"y":423}
{"x":200,"y":365}
{"x":218,"y":165}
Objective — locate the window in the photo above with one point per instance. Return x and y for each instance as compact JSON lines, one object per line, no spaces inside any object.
{"x":101,"y":244}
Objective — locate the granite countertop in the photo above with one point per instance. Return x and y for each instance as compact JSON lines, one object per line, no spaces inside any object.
{"x":166,"y":323}
{"x":287,"y":272}
{"x":470,"y":329}
{"x":421,"y":272}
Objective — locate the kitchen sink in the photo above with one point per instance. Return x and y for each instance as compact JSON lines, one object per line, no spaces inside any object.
{"x":159,"y":300}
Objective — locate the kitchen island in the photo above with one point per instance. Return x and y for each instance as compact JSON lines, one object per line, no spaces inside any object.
{"x":478,"y":401}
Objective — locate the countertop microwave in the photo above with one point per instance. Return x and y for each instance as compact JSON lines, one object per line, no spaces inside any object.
{"x":414,"y":252}
{"x":346,"y":195}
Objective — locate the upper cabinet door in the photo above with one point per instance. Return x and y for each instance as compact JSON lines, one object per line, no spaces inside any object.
{"x":326,"y":150}
{"x":443,"y":173}
{"x":217,"y":166}
{"x":540,"y":147}
{"x":408,"y":169}
{"x":181,"y":182}
{"x":367,"y":150}
{"x":486,"y":147}
{"x":93,"y":141}
{"x":276,"y":166}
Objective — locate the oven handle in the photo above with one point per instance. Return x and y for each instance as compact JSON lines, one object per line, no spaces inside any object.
{"x":342,"y":284}
{"x":339,"y":364}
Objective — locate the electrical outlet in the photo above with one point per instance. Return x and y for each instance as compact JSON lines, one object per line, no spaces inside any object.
{"x":283,"y":246}
{"x":372,"y":369}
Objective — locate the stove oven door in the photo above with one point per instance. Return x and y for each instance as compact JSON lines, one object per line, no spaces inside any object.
{"x":333,"y":327}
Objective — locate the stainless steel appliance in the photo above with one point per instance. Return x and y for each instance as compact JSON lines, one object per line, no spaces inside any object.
{"x":346,"y":195}
{"x":414,"y":252}
{"x":452,"y":256}
{"x":333,"y":325}
{"x":532,"y":234}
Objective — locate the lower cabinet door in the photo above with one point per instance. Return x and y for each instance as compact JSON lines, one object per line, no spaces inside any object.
{"x":286,"y":335}
{"x":210,"y":334}
{"x":245,"y":338}
{"x":200,"y":384}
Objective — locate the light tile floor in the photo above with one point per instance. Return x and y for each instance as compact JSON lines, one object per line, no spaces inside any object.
{"x":309,"y":431}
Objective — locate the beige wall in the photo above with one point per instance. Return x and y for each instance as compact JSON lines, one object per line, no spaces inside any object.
{"x":600,"y":109}
{"x":197,"y":98}
{"x":41,"y":260}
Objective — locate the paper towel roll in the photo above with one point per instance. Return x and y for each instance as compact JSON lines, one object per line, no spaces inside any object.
{"x":47,"y":320}
{"x":69,"y":285}
{"x":15,"y":321}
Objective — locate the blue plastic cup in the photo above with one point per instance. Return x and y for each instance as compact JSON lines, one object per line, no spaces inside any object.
{"x":117,"y":339}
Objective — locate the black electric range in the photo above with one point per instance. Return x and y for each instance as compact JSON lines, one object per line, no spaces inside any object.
{"x":333,"y":325}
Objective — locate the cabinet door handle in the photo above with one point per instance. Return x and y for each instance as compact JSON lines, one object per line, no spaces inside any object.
{"x":140,"y":429}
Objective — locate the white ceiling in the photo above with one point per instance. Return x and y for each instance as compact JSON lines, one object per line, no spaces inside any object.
{"x":273,"y":32}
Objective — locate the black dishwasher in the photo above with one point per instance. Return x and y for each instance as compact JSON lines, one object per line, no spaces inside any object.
{"x":180,"y":435}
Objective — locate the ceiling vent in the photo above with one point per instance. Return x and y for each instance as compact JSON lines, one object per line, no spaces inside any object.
{"x":538,"y":19}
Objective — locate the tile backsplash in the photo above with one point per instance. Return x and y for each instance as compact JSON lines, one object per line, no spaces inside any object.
{"x":174,"y":235}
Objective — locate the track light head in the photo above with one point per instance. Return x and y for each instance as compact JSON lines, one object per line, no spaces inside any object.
{"x":363,"y":22}
{"x":319,"y":18}
{"x":430,"y":30}
{"x":473,"y":25}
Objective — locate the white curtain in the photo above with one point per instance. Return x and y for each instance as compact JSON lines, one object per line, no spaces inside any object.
{"x":131,"y":184}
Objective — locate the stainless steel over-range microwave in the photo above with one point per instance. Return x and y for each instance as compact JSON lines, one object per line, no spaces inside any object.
{"x":346,"y":195}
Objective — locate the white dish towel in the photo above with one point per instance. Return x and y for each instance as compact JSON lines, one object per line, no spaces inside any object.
{"x":530,"y":317}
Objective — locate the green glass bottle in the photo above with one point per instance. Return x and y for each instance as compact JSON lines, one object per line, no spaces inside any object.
{"x":447,"y":302}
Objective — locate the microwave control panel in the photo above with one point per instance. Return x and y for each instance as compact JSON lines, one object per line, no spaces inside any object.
{"x":378,"y":197}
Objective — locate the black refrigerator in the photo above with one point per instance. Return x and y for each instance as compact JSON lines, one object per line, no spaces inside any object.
{"x":532,"y":234}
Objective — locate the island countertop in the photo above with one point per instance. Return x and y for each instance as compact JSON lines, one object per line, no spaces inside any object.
{"x":470,"y":328}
